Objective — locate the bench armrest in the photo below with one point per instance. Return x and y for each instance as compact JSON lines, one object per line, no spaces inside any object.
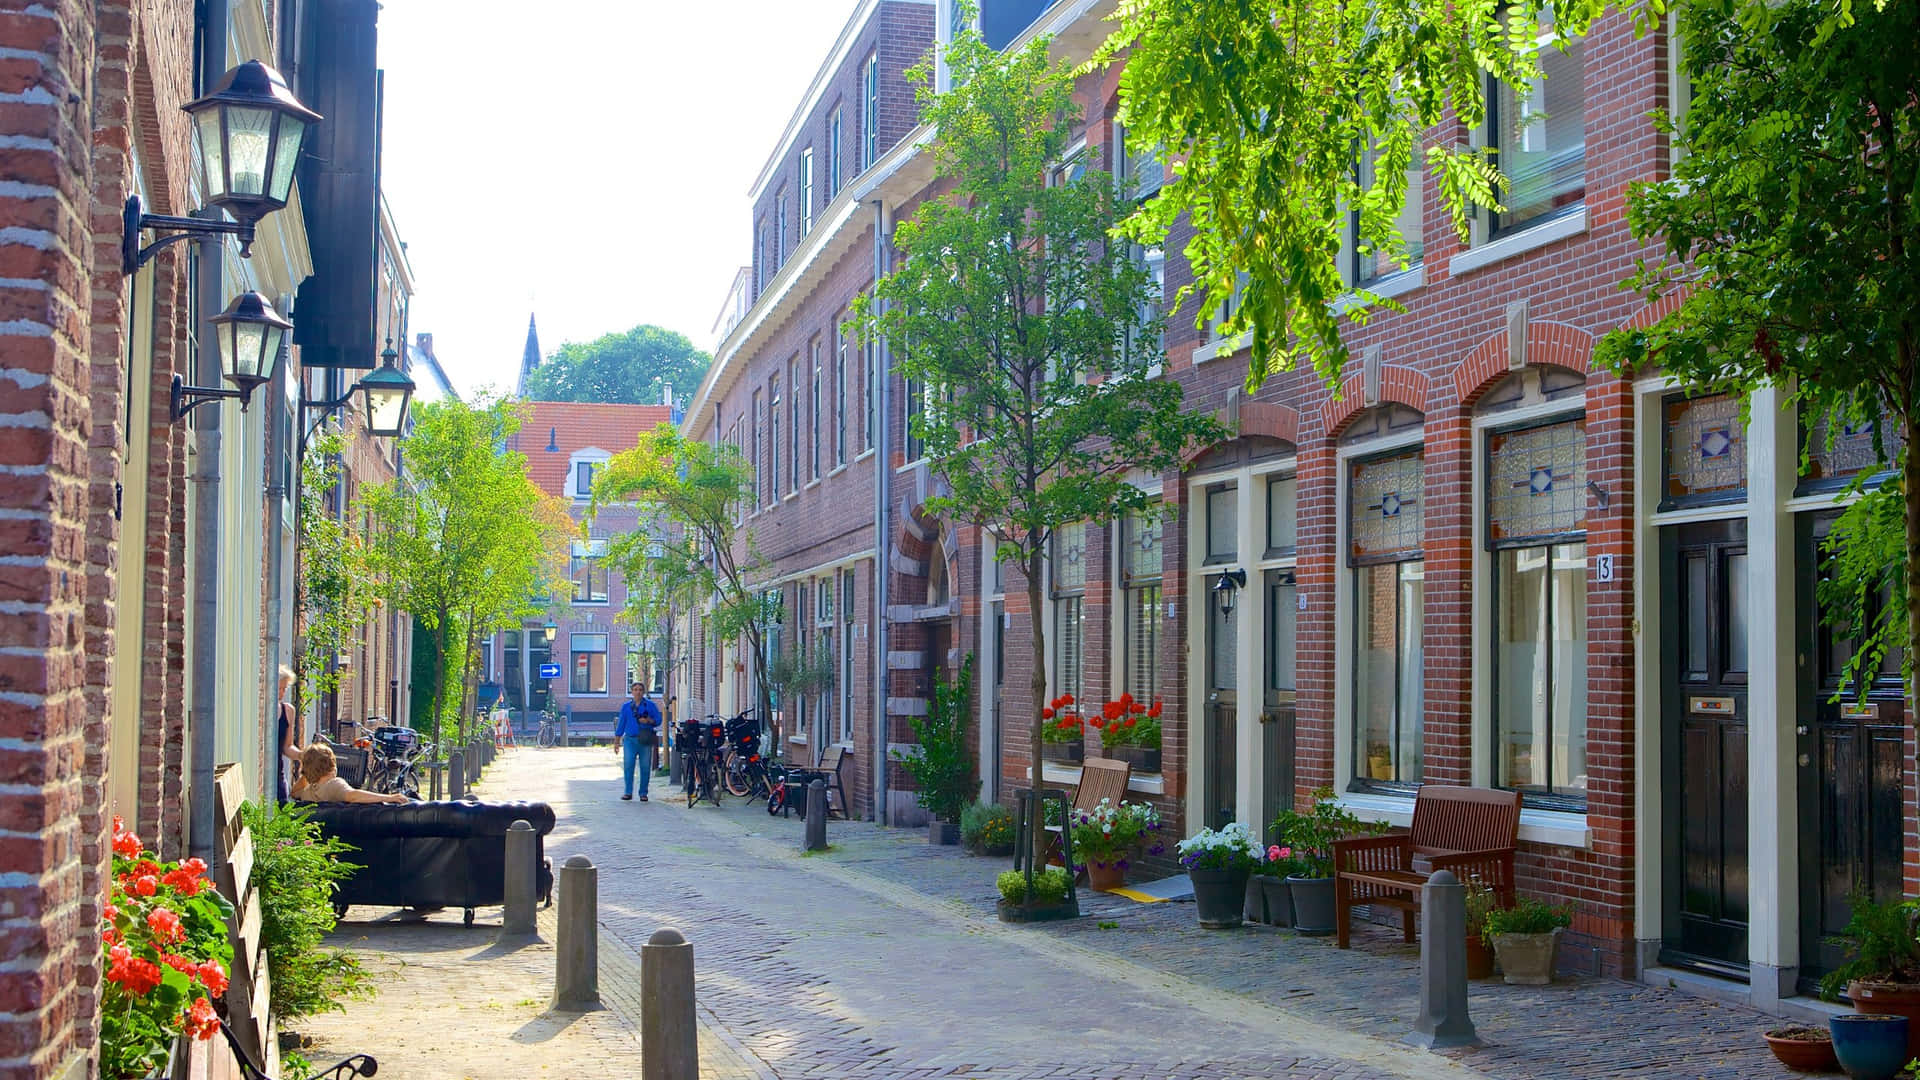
{"x":1494,"y":868}
{"x":1391,"y":852}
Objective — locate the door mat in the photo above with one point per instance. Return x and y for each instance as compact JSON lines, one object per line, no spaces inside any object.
{"x":1177,"y":887}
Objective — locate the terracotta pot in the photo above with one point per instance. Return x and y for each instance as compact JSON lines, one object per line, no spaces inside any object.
{"x":1807,"y":1055}
{"x":1063,"y":751}
{"x":1889,"y":999}
{"x":1105,"y":878}
{"x":1527,"y":959}
{"x":1479,"y":957}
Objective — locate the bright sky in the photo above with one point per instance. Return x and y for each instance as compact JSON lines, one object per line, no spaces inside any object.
{"x":586,"y":160}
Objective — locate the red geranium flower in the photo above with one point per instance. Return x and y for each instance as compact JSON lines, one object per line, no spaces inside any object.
{"x":200,"y":1021}
{"x":1067,"y":698}
{"x":125,"y":843}
{"x":213,"y":977}
{"x":1126,"y":699}
{"x":145,"y":885}
{"x":187,"y":883}
{"x":1112,"y":710}
{"x":182,"y":964}
{"x":1046,"y":713}
{"x":1154,"y":711}
{"x":165,"y":925}
{"x":1098,"y":723}
{"x":1130,"y":722}
{"x":137,"y":976}
{"x":196,"y":867}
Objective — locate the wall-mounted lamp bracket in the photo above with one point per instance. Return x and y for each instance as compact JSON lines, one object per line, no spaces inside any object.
{"x":133,"y":221}
{"x":185,"y":398}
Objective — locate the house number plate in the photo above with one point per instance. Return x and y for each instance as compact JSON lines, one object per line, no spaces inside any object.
{"x":1711,"y":706}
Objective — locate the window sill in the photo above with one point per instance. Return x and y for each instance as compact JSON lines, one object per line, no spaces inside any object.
{"x":1214,"y":350}
{"x":592,"y":603}
{"x":836,"y":471}
{"x":571,"y":694}
{"x":1394,"y":285}
{"x":1144,"y":783}
{"x":863,"y":455}
{"x":811,"y":484}
{"x":790,"y":496}
{"x":1530,"y":239}
{"x":1559,"y":828}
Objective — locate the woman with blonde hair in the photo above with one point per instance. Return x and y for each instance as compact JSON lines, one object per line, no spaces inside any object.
{"x":289,"y":729}
{"x":320,"y":781}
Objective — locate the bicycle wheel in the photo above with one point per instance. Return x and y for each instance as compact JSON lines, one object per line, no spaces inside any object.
{"x":739,"y":777}
{"x":692,"y":779}
{"x":776,"y":801}
{"x":545,"y":738}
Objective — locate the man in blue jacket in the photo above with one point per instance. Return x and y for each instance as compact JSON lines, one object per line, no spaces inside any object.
{"x":637,"y":729}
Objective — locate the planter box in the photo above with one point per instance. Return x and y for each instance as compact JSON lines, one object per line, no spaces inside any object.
{"x":1063,"y":751}
{"x":1141,"y":758}
{"x":942,"y":832}
{"x":1021,"y":913}
{"x":1527,"y":959}
{"x":1889,"y":999}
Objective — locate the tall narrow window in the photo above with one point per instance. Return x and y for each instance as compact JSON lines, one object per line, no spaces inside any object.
{"x":766,"y":263}
{"x":1538,"y":134}
{"x":589,"y":663}
{"x":839,"y":394}
{"x":1069,"y":609}
{"x":834,"y":167}
{"x":793,"y":425}
{"x":1536,"y":529}
{"x":914,"y":402}
{"x":847,"y":635}
{"x":806,"y":191}
{"x":753,"y":452}
{"x":1386,"y":528}
{"x":779,"y":229}
{"x":1140,"y":605}
{"x":773,"y":442}
{"x":589,"y":571}
{"x":1366,"y":264}
{"x":871,"y":354}
{"x":813,"y":413}
{"x":870,"y":115}
{"x":583,"y":478}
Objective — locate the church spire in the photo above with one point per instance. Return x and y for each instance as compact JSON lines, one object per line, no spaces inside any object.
{"x":530,"y":358}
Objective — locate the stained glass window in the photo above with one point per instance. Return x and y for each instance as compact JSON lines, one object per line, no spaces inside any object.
{"x":1070,"y":558}
{"x":1143,"y":535}
{"x":1385,"y":507}
{"x":1839,"y":452}
{"x":1140,"y":601}
{"x":1706,"y":450}
{"x":1536,"y":482}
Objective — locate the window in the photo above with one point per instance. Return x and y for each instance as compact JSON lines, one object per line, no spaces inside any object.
{"x":1140,"y":559}
{"x":1705,"y":446}
{"x":1140,"y":175}
{"x":1538,"y":135}
{"x":764,"y":271}
{"x":793,"y":426}
{"x":753,"y":451}
{"x":513,"y":677}
{"x":780,"y":228}
{"x":839,"y":394}
{"x":1223,"y":524}
{"x":589,"y":572}
{"x":1365,"y":265}
{"x":833,"y":152}
{"x":773,"y":442}
{"x":583,"y":478}
{"x":1149,"y":350}
{"x":813,"y":411}
{"x":914,"y":402}
{"x":1536,"y":529}
{"x":1069,"y":609}
{"x":870,"y":115}
{"x":589,"y":663}
{"x":1385,"y":512}
{"x":1282,"y":501}
{"x":1837,"y":448}
{"x":872,"y":364}
{"x":806,"y":191}
{"x":1217,"y":323}
{"x":846,"y":656}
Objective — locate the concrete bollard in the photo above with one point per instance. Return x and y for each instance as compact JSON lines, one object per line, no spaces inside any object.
{"x":433,"y":780}
{"x":473,"y":764}
{"x":676,"y":761}
{"x":817,"y":816}
{"x":1443,"y":1020}
{"x":456,"y":773}
{"x":563,"y":732}
{"x":669,"y":1043}
{"x":576,"y":948}
{"x":522,"y":883}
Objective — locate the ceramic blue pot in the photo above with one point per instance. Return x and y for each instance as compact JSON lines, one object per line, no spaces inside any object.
{"x":1870,"y":1047}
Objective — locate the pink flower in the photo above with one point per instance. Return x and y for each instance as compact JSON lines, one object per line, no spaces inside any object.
{"x":165,"y":925}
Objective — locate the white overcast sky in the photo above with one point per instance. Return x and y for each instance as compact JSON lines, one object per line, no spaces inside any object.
{"x":585,"y":160}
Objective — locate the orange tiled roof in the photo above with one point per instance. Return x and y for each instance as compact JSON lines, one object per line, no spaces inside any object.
{"x":569,"y":426}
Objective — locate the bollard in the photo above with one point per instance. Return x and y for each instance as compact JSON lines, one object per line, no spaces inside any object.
{"x":817,"y":815}
{"x":522,"y":882}
{"x":563,"y":731}
{"x":1443,"y":1020}
{"x":576,"y":947}
{"x":669,"y":1045}
{"x":473,"y":764}
{"x":676,"y":759}
{"x":456,"y":774}
{"x":433,"y":780}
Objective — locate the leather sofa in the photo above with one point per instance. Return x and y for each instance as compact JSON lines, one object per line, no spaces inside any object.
{"x":433,"y":854}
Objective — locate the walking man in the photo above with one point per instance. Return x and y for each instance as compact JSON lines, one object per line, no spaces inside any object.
{"x":637,"y":729}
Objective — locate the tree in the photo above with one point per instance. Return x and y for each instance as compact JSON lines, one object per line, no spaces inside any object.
{"x":1029,"y":335}
{"x":633,"y":368}
{"x":1791,"y":222}
{"x":464,"y":540}
{"x":333,"y":586}
{"x":687,"y":553}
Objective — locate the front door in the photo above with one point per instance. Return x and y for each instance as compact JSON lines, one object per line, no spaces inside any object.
{"x":1851,"y":754}
{"x":1222,"y":712}
{"x":1704,"y":734}
{"x":1277,"y":717}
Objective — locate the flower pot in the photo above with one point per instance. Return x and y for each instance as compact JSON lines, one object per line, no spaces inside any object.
{"x":943,"y":832}
{"x":1889,"y":999}
{"x":1253,"y":909}
{"x":1279,"y":896}
{"x":1021,"y":913}
{"x":1380,"y":768}
{"x":1807,"y":1049}
{"x":1219,"y":896}
{"x":1870,"y":1046}
{"x":1063,"y":751}
{"x":1143,"y":759}
{"x":1527,"y":959}
{"x":1312,"y":905}
{"x":1106,"y":877}
{"x":1479,"y":957}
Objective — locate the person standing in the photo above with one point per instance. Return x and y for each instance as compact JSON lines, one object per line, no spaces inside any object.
{"x":637,"y":729}
{"x":287,"y":736}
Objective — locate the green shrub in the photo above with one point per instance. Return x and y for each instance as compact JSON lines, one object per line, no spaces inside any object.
{"x":296,"y":872}
{"x":1880,"y":942}
{"x":987,"y":828}
{"x":943,"y":769}
{"x":1529,"y":916}
{"x":1049,"y":886}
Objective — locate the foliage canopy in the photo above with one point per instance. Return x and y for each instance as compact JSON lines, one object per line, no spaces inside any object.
{"x":633,"y":368}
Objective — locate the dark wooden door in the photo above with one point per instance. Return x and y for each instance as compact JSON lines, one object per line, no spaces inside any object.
{"x":1850,"y":754}
{"x":1704,"y":730}
{"x":1222,"y":710}
{"x":1277,"y":716}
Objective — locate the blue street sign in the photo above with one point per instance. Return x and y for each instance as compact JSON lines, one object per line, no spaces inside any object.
{"x":549,"y":671}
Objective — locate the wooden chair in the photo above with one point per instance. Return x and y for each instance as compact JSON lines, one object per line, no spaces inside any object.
{"x":1100,"y":778}
{"x":828,"y":770}
{"x":1470,"y":831}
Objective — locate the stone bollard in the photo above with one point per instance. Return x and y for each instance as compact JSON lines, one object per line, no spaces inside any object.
{"x":522,"y":883}
{"x":676,"y":760}
{"x":456,"y":774}
{"x":817,"y":816}
{"x":576,"y":947}
{"x":563,"y":731}
{"x":473,"y":764}
{"x":1443,"y":1020}
{"x":433,"y":780}
{"x":669,"y":1044}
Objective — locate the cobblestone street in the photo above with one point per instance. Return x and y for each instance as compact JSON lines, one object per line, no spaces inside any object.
{"x":882,"y":958}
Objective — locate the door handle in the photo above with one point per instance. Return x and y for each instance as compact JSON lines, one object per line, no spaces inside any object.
{"x":1801,"y":730}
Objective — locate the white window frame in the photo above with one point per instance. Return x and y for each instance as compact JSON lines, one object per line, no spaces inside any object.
{"x":806,"y":191}
{"x":574,"y":652}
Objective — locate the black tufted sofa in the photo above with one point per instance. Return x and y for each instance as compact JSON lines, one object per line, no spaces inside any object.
{"x":433,"y":854}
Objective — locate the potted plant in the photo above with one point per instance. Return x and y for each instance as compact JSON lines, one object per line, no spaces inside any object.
{"x":1882,"y":973}
{"x":1219,"y":862}
{"x":1269,"y":886}
{"x":1310,"y":837}
{"x":1105,"y":836}
{"x":1870,"y":1046}
{"x":165,"y":954}
{"x":1808,"y":1049}
{"x":1048,"y":898}
{"x":942,"y":770}
{"x":1062,"y":735}
{"x":1526,"y":938}
{"x":1380,"y":761}
{"x":1130,"y":732}
{"x":1481,"y":902}
{"x":987,"y":829}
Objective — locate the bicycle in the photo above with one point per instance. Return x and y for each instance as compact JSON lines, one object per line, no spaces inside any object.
{"x":702,"y":740}
{"x":549,"y":734}
{"x":748,"y":773}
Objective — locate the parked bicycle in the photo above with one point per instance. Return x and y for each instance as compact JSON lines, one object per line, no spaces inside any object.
{"x":549,"y":734}
{"x":702,"y":743}
{"x":393,"y":760}
{"x":749,"y":773}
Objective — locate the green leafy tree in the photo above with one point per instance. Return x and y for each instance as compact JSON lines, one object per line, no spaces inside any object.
{"x":634,"y":368}
{"x":1030,"y":336}
{"x":942,"y":769}
{"x":335,"y":592}
{"x":1791,"y":220}
{"x":688,"y":554}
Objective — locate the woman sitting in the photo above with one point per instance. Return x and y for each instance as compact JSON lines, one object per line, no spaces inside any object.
{"x":320,"y":780}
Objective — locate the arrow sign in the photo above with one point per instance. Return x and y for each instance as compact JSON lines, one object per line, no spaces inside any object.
{"x":549,"y":671}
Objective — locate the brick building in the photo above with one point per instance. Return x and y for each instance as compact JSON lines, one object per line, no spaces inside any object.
{"x":1479,"y":560}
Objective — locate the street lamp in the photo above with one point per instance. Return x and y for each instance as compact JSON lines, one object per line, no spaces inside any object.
{"x":1228,"y":583}
{"x":386,"y":392}
{"x":249,"y":334}
{"x":251,"y":130}
{"x":550,"y":631}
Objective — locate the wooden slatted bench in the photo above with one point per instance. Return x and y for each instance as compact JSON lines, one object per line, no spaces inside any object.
{"x":1469,"y":831}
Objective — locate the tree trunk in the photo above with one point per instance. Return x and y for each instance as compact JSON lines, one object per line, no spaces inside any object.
{"x":1910,"y":482}
{"x":1037,"y":836}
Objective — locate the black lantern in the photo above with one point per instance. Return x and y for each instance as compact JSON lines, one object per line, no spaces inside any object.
{"x":249,"y":334}
{"x":387,"y":392}
{"x":550,"y":631}
{"x":251,"y":130}
{"x":1228,"y":583}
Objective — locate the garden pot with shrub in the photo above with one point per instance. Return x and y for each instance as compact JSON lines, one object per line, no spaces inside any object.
{"x":1254,"y":908}
{"x":1882,"y":973}
{"x":1106,"y":876}
{"x":1526,"y":939}
{"x":1312,"y":905}
{"x":1479,"y":956}
{"x":1870,"y":1046}
{"x":1219,"y":897}
{"x":1889,"y":999}
{"x":1808,"y":1049}
{"x":1070,"y":753}
{"x":1219,"y":862}
{"x":943,"y":832}
{"x":1279,"y":899}
{"x":987,"y":829}
{"x":1051,"y":897}
{"x":1306,"y":843}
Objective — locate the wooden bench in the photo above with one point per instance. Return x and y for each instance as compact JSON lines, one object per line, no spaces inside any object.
{"x":1469,"y":831}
